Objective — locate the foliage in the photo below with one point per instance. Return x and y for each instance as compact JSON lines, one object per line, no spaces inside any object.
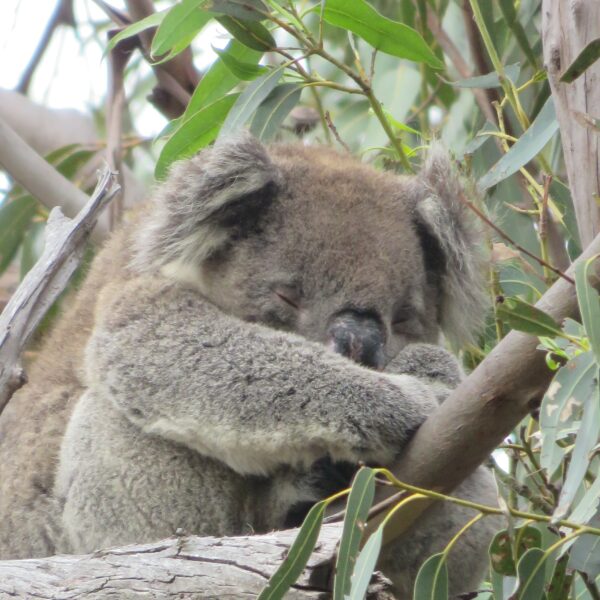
{"x":382,"y":79}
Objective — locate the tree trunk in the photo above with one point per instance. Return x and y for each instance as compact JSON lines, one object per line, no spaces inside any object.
{"x":567,"y":27}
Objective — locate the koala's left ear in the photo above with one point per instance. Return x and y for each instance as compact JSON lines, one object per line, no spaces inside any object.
{"x":206,"y":202}
{"x":453,"y":244}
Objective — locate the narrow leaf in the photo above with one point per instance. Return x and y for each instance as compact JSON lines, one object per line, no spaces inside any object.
{"x":195,"y":133}
{"x":432,"y":579}
{"x":589,"y":305}
{"x":249,"y":10}
{"x":219,"y":79}
{"x":585,"y":553}
{"x":382,"y":33}
{"x":182,"y":22}
{"x":249,"y":100}
{"x":531,"y":574}
{"x":365,"y":565}
{"x":490,"y":80}
{"x":250,"y":33}
{"x":357,"y":509}
{"x":153,"y":20}
{"x":15,"y":219}
{"x":586,"y":58}
{"x":272,"y":112}
{"x":298,"y":555}
{"x":587,"y":507}
{"x":522,"y":316}
{"x":526,"y":147}
{"x":242,"y":70}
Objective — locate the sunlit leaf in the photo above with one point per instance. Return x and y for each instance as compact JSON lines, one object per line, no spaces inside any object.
{"x":180,"y":24}
{"x":195,"y":133}
{"x":382,"y":33}
{"x":275,"y":108}
{"x":432,"y":579}
{"x":153,"y":20}
{"x":359,"y":502}
{"x":525,"y":148}
{"x":242,"y":70}
{"x":298,"y":555}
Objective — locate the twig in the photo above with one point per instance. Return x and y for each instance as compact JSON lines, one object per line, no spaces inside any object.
{"x":63,"y":14}
{"x":65,"y":244}
{"x":336,"y":135}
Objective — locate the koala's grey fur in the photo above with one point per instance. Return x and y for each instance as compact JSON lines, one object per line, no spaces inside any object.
{"x":182,"y":391}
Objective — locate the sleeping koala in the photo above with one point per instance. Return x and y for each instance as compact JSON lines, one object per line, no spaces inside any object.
{"x":264,"y":326}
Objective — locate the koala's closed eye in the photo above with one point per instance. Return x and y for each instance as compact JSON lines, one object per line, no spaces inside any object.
{"x":288,"y":294}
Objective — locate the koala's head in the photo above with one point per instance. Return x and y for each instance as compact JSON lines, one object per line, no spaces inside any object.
{"x":307,"y":240}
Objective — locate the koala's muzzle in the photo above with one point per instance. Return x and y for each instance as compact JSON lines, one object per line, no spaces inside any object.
{"x":359,"y":336}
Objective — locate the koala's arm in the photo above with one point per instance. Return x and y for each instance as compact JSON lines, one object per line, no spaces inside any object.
{"x":252,"y":397}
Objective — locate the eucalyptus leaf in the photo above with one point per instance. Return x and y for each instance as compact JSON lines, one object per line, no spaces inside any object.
{"x":584,"y":60}
{"x":432,"y":579}
{"x":249,"y":100}
{"x":525,"y":148}
{"x":365,"y":565}
{"x":15,"y":218}
{"x":359,"y":502}
{"x":380,"y":32}
{"x":179,"y":26}
{"x":562,"y":406}
{"x":250,"y":33}
{"x":249,"y":10}
{"x":195,"y":133}
{"x":242,"y":70}
{"x":589,"y":305}
{"x":297,"y":557}
{"x":585,"y":552}
{"x":531,"y":575}
{"x":490,"y":80}
{"x":522,"y":316}
{"x":153,"y":20}
{"x":275,"y":108}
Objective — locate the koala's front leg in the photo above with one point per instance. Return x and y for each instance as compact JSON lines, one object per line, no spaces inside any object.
{"x":247,"y":395}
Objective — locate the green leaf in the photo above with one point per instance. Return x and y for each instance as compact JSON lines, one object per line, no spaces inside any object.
{"x":365,"y":565}
{"x":180,"y":25}
{"x":587,"y":437}
{"x":357,"y":509}
{"x":588,"y":504}
{"x":562,"y":405}
{"x":15,"y":219}
{"x":298,"y":555}
{"x":531,"y":574}
{"x":589,"y":304}
{"x":490,"y":80}
{"x":522,"y":316}
{"x":249,"y":100}
{"x":382,"y":33}
{"x":275,"y":108}
{"x":586,"y":58}
{"x":585,"y":552}
{"x":525,"y":148}
{"x":250,"y":33}
{"x":432,"y":579}
{"x":242,"y":70}
{"x":31,"y":247}
{"x":558,"y":588}
{"x":501,"y":550}
{"x":153,"y":20}
{"x":249,"y":10}
{"x":195,"y":133}
{"x":219,"y":79}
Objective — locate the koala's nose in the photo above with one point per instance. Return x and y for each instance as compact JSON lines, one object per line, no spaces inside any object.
{"x":359,"y":336}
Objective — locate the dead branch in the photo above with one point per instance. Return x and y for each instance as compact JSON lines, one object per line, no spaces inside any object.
{"x":65,"y":242}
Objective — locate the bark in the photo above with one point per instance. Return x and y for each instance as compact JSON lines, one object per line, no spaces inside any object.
{"x":567,"y":27}
{"x":184,"y":567}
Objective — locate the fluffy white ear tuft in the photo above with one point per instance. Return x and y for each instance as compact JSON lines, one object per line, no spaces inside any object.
{"x":447,"y":223}
{"x":205,"y":202}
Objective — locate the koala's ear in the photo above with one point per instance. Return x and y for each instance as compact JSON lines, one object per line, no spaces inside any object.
{"x":217,"y":196}
{"x":454,"y":246}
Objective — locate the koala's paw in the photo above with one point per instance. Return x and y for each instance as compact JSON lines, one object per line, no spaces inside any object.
{"x":430,"y":363}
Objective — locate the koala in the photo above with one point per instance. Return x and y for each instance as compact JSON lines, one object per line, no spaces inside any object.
{"x":267,"y":323}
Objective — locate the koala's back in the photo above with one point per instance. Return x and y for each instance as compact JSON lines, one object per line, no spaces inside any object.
{"x":33,"y":423}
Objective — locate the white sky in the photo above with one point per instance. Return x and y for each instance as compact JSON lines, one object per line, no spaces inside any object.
{"x":68,"y":77}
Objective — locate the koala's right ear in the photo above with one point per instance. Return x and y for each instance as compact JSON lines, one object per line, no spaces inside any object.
{"x":216,"y":196}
